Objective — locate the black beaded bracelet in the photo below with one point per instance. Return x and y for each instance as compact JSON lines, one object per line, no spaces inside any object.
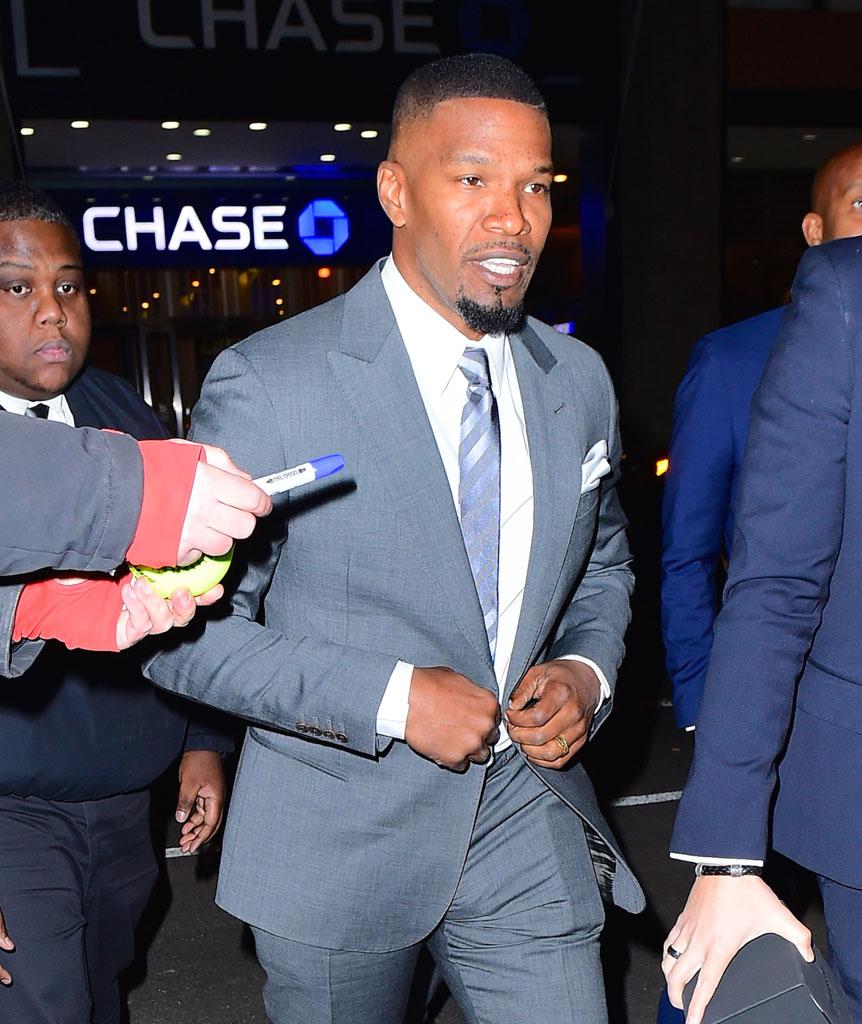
{"x":733,"y":870}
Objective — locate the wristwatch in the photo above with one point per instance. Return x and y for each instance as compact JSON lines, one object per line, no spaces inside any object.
{"x":733,"y":870}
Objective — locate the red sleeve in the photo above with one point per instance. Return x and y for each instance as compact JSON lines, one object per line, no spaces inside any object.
{"x":84,"y":615}
{"x":169,"y":473}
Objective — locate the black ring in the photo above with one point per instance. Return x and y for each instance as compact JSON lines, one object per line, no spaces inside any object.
{"x":675,"y":953}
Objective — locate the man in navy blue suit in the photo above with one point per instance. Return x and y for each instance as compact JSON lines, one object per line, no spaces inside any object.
{"x":710,"y":426}
{"x":709,"y":431}
{"x":778,"y":757}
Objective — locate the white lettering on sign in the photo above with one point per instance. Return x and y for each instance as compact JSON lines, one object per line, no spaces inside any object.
{"x":119,"y":229}
{"x":224,"y":226}
{"x":359,"y":30}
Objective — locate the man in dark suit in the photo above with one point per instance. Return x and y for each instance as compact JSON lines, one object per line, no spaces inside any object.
{"x":778,"y":757}
{"x":86,"y":736}
{"x":710,"y":425}
{"x":443,"y":621}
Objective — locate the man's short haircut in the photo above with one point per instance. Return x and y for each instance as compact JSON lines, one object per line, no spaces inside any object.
{"x":462,"y":76}
{"x":824,"y":179}
{"x":19,"y":201}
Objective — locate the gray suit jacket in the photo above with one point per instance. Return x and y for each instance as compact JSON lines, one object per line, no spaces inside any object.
{"x":337,"y":836}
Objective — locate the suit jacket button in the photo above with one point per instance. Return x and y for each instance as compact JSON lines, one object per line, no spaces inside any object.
{"x":301,"y":727}
{"x":342,"y":737}
{"x":314,"y":731}
{"x":329,"y":734}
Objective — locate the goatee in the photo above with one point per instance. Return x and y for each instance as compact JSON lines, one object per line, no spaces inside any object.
{"x":496,"y":319}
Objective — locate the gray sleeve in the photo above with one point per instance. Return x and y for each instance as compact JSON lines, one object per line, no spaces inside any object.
{"x":15,"y":659}
{"x":86,"y":524}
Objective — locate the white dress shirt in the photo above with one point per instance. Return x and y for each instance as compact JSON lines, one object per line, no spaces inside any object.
{"x":434,"y":348}
{"x":58,"y":407}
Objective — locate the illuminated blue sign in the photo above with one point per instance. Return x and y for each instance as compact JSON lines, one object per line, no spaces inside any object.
{"x":323,"y":227}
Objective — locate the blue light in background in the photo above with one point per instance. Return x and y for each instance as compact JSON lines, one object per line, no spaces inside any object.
{"x":323,"y":227}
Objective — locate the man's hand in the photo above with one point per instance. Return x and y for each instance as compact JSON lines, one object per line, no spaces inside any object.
{"x":451,"y":720}
{"x":555,"y":699}
{"x":721,"y":915}
{"x":201,"y":798}
{"x":7,"y":944}
{"x":145,"y":613}
{"x":223,"y":507}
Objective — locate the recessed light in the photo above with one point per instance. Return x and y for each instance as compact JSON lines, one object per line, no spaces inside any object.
{"x":147,"y":177}
{"x":279,"y":302}
{"x":196,"y":283}
{"x":28,"y":131}
{"x":157,"y":295}
{"x":173,"y":156}
{"x":124,"y":168}
{"x":211,"y":270}
{"x":324,"y":272}
{"x":560,"y":178}
{"x":257,"y":126}
{"x":170,"y":125}
{"x":202,"y":133}
{"x":327,"y":158}
{"x":342,"y":126}
{"x":737,"y":159}
{"x":145,"y":305}
{"x":369,"y":133}
{"x":92,"y":291}
{"x":125,"y":309}
{"x":79,"y":124}
{"x":809,"y":137}
{"x":276,"y":281}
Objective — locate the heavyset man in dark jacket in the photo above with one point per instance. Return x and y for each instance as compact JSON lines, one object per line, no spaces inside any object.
{"x":86,"y":736}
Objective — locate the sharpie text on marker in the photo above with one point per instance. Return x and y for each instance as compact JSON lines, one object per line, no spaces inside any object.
{"x":287,"y":479}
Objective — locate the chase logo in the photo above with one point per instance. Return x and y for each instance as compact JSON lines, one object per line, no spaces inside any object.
{"x":323,"y":227}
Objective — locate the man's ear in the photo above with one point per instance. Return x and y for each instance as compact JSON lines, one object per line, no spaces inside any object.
{"x":812,"y":228}
{"x":390,"y":191}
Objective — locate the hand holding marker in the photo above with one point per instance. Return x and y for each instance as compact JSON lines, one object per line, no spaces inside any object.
{"x":206,"y":572}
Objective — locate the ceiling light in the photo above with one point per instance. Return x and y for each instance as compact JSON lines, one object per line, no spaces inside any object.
{"x":28,"y":131}
{"x":147,"y":177}
{"x":279,"y":302}
{"x":369,"y":133}
{"x":125,"y":309}
{"x":124,"y":167}
{"x":276,"y":281}
{"x":92,"y":291}
{"x":560,"y":178}
{"x":342,"y":126}
{"x":173,"y":156}
{"x":324,"y":272}
{"x":809,"y":137}
{"x":327,"y":158}
{"x":170,"y":125}
{"x":145,"y":305}
{"x":196,"y":283}
{"x":80,"y":124}
{"x":211,"y":270}
{"x":202,"y":133}
{"x":156,"y":295}
{"x":737,"y":159}
{"x":257,"y":126}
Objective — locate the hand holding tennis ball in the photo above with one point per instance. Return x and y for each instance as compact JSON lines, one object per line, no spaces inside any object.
{"x":202,"y":575}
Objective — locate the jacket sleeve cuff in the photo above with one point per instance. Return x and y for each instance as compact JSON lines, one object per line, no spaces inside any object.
{"x":169,"y":474}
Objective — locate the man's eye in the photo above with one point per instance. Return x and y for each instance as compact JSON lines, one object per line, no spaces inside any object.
{"x":857,"y":204}
{"x":18,"y":289}
{"x":472,"y":179}
{"x":537,"y":188}
{"x":67,"y":289}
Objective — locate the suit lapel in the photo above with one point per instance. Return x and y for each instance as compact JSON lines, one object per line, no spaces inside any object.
{"x":373,"y":371}
{"x":556,"y":432}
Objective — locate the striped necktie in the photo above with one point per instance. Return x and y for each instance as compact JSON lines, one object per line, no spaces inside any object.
{"x":479,"y":483}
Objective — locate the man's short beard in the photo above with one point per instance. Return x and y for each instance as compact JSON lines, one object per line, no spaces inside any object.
{"x":497,"y":319}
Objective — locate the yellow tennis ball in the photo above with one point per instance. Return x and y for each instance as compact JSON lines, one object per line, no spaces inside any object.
{"x":199,"y":577}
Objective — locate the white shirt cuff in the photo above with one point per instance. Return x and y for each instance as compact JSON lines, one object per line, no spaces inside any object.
{"x":715,"y":860}
{"x":603,"y":683}
{"x":392,"y":713}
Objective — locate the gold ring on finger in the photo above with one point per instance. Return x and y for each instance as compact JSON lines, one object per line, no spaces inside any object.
{"x":562,"y":744}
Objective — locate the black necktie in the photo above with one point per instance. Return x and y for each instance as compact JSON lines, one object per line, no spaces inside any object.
{"x":40,"y":411}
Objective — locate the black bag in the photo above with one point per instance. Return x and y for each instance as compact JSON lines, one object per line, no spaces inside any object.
{"x":768,"y":982}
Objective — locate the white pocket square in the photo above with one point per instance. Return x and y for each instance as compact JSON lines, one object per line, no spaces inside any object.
{"x":595,"y":466}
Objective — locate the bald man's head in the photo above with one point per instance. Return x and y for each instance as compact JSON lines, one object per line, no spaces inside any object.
{"x":836,"y":198}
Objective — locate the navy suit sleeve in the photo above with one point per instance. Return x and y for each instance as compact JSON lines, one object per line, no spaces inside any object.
{"x":788,"y":534}
{"x":695,"y":507}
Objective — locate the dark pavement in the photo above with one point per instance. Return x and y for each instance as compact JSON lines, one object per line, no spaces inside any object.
{"x":197,"y":964}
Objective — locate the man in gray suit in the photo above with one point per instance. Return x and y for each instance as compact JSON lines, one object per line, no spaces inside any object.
{"x":444,"y":621}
